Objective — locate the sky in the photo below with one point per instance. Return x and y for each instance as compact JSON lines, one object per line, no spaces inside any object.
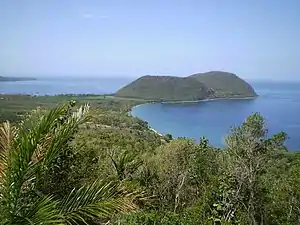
{"x":253,"y":39}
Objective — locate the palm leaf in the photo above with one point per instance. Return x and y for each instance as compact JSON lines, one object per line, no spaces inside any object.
{"x":124,"y":161}
{"x":20,"y":156}
{"x":36,"y":144}
{"x":7,"y":134}
{"x":44,"y":211}
{"x":98,"y":200}
{"x":63,"y":133}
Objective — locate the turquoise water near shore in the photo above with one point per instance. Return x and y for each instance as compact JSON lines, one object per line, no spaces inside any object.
{"x":278,"y":102}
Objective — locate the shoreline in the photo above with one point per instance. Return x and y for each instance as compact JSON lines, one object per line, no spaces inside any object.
{"x":208,"y":100}
{"x":193,"y":101}
{"x":150,"y":128}
{"x":182,"y":102}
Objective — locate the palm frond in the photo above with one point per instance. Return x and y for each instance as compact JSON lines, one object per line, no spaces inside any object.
{"x":64,"y":132}
{"x":7,"y":134}
{"x":36,"y":144}
{"x":124,"y":161}
{"x":44,"y":211}
{"x":98,"y":200}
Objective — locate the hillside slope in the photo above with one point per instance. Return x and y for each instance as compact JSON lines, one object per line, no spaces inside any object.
{"x":225,"y":84}
{"x":195,"y":87}
{"x":165,"y":88}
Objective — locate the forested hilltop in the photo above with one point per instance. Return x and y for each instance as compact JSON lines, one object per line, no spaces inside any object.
{"x":85,"y":160}
{"x":210,"y":85}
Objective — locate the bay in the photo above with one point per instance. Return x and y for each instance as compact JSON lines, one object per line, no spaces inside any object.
{"x":278,"y":102}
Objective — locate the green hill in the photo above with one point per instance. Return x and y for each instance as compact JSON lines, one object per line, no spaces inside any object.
{"x":195,"y":87}
{"x":165,"y":88}
{"x":225,"y":84}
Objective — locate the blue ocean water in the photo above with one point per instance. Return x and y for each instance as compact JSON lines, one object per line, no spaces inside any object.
{"x":65,"y":85}
{"x":278,"y":102}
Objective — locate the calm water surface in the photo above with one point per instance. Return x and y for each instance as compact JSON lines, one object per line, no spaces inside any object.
{"x":279,"y":103}
{"x":64,"y":85}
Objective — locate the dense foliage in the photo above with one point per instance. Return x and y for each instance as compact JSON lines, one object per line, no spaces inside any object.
{"x":110,"y":168}
{"x":164,"y":88}
{"x":195,"y":87}
{"x":13,"y":107}
{"x":32,"y":158}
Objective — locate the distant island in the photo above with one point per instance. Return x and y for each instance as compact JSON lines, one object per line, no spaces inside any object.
{"x":209,"y":85}
{"x":2,"y":79}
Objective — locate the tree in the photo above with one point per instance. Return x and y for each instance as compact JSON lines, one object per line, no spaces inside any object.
{"x":168,"y":169}
{"x":181,"y":171}
{"x":169,"y":137}
{"x":250,"y":152}
{"x":283,"y":196}
{"x":27,"y":153}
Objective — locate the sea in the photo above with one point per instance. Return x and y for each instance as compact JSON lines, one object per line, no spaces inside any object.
{"x":278,"y":103}
{"x":65,"y":85}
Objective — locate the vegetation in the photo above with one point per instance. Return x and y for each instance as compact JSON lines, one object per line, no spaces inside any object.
{"x":13,"y":107}
{"x":225,"y":84}
{"x":195,"y":87}
{"x":65,"y":164}
{"x":30,"y":154}
{"x":165,"y":88}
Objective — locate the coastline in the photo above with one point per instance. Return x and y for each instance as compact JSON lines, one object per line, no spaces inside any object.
{"x":208,"y":100}
{"x":183,"y":102}
{"x":150,"y":128}
{"x":194,"y":101}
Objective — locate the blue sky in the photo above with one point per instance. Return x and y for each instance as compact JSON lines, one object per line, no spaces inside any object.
{"x":254,"y":39}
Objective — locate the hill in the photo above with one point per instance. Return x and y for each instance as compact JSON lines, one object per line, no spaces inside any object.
{"x":16,"y":78}
{"x":165,"y":88}
{"x":225,"y":84}
{"x":195,"y":87}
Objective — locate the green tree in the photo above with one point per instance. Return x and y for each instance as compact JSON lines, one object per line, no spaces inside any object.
{"x":27,"y":153}
{"x":250,"y":153}
{"x":283,"y":196}
{"x":169,"y":137}
{"x":181,"y":172}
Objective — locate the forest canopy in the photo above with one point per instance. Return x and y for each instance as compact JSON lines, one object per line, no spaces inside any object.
{"x":78,"y":163}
